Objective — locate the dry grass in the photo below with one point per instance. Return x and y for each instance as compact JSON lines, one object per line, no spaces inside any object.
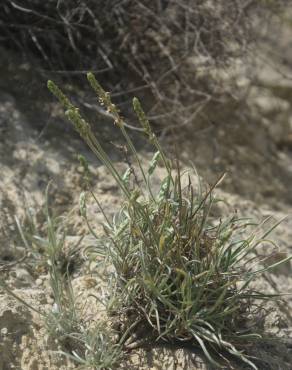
{"x":164,"y":51}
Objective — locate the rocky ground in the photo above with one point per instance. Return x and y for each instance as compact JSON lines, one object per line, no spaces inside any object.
{"x":36,"y":146}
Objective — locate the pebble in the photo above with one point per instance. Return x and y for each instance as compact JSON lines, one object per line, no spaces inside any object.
{"x":23,"y":277}
{"x":39,"y":282}
{"x":4,"y":331}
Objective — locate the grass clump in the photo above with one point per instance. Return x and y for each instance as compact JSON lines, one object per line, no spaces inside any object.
{"x":44,"y":236}
{"x":178,"y":271}
{"x":90,"y":344}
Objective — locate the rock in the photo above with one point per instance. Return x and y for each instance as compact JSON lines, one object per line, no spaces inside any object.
{"x":23,"y":278}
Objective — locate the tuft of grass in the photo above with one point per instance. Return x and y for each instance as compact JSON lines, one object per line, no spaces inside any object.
{"x":98,"y":350}
{"x":90,"y":345}
{"x":177,"y":270}
{"x":45,"y":241}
